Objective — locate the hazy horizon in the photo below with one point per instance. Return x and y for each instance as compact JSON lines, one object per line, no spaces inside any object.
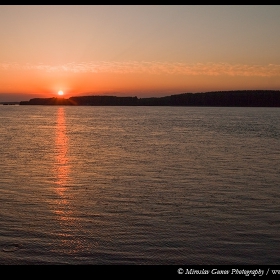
{"x":18,"y":97}
{"x":137,"y":50}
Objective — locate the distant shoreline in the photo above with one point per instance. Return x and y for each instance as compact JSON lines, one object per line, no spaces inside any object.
{"x":237,"y":98}
{"x":10,"y":103}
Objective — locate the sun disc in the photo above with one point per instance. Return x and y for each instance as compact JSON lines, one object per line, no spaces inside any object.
{"x":60,"y":92}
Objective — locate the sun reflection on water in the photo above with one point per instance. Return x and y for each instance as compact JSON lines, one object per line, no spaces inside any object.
{"x":62,"y":169}
{"x":61,"y":147}
{"x":64,"y":202}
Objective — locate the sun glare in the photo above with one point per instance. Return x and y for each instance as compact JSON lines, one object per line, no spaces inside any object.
{"x":60,"y":92}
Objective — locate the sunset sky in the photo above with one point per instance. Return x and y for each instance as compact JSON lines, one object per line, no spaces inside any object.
{"x":137,"y":50}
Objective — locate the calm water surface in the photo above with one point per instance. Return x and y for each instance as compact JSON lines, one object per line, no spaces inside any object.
{"x":139,"y":185}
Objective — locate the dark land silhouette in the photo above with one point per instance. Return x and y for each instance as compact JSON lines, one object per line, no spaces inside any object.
{"x":10,"y":103}
{"x":238,"y":98}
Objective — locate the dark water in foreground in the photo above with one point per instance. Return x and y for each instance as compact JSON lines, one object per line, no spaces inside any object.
{"x":139,"y":185}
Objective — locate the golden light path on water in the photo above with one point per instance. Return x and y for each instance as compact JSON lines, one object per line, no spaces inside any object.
{"x":61,"y":145}
{"x":65,"y":204}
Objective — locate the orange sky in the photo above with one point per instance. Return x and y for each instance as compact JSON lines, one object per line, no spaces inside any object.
{"x":137,"y":50}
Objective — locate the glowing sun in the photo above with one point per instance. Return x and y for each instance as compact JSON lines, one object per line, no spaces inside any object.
{"x":60,"y":92}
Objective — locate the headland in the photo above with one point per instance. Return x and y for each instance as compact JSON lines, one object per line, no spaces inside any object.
{"x":238,"y":98}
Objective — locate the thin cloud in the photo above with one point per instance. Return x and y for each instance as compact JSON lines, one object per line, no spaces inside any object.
{"x":155,"y":68}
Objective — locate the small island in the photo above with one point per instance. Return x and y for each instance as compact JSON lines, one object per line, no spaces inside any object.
{"x":238,"y":98}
